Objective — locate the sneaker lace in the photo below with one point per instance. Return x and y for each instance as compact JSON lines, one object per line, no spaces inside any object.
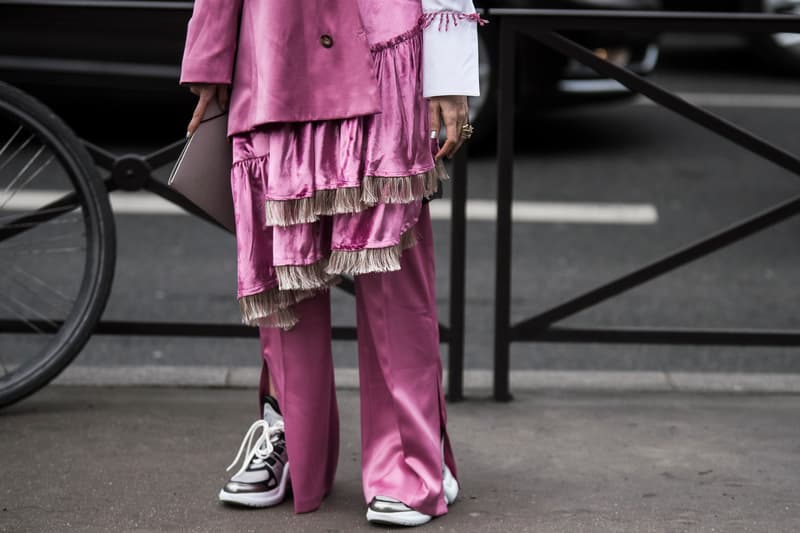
{"x":256,"y":447}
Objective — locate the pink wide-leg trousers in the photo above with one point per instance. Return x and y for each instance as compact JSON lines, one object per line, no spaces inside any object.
{"x":403,"y":414}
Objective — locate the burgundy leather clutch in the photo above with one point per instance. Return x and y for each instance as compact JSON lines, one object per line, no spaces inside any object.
{"x":202,"y":172}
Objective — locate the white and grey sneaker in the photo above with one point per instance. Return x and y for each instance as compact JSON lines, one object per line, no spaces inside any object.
{"x":391,"y":511}
{"x":261,"y":481}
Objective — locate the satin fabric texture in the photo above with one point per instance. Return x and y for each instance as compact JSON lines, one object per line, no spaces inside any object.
{"x":288,"y":162}
{"x":403,"y":414}
{"x":274,"y":55}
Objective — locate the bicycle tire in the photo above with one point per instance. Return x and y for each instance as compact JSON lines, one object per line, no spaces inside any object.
{"x":100,"y":255}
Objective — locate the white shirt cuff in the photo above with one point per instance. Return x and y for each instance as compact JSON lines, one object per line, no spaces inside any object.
{"x":449,"y":48}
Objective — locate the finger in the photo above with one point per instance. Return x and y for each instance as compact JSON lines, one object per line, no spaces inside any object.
{"x":199,"y":111}
{"x":451,"y":127}
{"x":451,"y":141}
{"x":446,"y":149}
{"x":435,"y":124}
{"x":434,"y":120}
{"x":223,"y":97}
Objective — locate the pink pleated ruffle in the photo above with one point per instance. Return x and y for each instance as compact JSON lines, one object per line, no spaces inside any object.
{"x":314,"y":200}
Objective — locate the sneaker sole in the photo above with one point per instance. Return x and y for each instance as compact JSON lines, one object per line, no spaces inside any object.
{"x":258,"y":499}
{"x":414,"y":518}
{"x":399,"y":518}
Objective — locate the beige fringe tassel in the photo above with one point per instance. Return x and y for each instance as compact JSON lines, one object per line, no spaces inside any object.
{"x":285,"y":319}
{"x":370,"y":259}
{"x":373,"y":190}
{"x":304,"y":210}
{"x":400,"y":190}
{"x":305,"y":277}
{"x":271,"y":308}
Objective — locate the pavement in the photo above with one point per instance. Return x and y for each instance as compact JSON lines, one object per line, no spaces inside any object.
{"x":474,"y":379}
{"x":138,"y":459}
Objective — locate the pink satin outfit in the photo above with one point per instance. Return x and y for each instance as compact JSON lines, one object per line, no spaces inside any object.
{"x":317,"y":199}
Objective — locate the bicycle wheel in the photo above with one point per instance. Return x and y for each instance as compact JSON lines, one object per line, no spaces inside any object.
{"x":57,"y":245}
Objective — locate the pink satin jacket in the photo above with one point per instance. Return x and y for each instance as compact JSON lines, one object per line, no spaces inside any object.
{"x":299,"y":60}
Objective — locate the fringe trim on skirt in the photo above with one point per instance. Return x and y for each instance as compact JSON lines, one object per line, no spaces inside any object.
{"x":271,"y":308}
{"x":304,"y":277}
{"x":370,"y":259}
{"x":325,"y":272}
{"x":373,"y":190}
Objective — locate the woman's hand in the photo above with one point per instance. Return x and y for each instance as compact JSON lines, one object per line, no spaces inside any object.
{"x":206,"y":91}
{"x":454,"y":112}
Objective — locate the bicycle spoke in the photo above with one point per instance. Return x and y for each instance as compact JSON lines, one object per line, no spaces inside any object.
{"x":62,"y":220}
{"x":9,"y":141}
{"x":42,"y":283}
{"x":17,"y":151}
{"x":41,"y":211}
{"x":29,"y":179}
{"x":35,"y":280}
{"x":34,"y":311}
{"x":49,"y":301}
{"x":22,"y":318}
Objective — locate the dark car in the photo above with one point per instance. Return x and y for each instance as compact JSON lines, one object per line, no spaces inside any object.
{"x":779,"y":50}
{"x":123,"y":56}
{"x":110,"y":68}
{"x":548,"y":79}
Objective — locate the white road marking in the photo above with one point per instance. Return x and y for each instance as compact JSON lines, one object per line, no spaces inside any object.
{"x":574,"y":212}
{"x":746,"y":100}
{"x":144,"y":203}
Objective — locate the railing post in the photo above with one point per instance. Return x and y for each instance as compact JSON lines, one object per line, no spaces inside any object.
{"x":458,"y":238}
{"x":505,"y":177}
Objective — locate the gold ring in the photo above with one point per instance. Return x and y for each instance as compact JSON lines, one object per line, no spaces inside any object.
{"x":467,"y":130}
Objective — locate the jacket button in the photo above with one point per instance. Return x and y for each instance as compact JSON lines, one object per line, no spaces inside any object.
{"x":326,"y":40}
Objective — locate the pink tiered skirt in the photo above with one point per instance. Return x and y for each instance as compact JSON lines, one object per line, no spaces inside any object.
{"x":315,"y":200}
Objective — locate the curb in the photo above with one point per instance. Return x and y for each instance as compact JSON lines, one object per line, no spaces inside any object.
{"x":521,"y":380}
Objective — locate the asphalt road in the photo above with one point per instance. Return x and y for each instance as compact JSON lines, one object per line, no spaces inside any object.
{"x":145,"y":460}
{"x":627,"y":157}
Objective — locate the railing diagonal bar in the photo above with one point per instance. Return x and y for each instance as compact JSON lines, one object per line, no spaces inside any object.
{"x":671,"y":101}
{"x":664,"y":336}
{"x":671,"y":261}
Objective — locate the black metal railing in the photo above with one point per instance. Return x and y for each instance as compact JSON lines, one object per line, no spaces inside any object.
{"x":543,"y":26}
{"x":135,"y":172}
